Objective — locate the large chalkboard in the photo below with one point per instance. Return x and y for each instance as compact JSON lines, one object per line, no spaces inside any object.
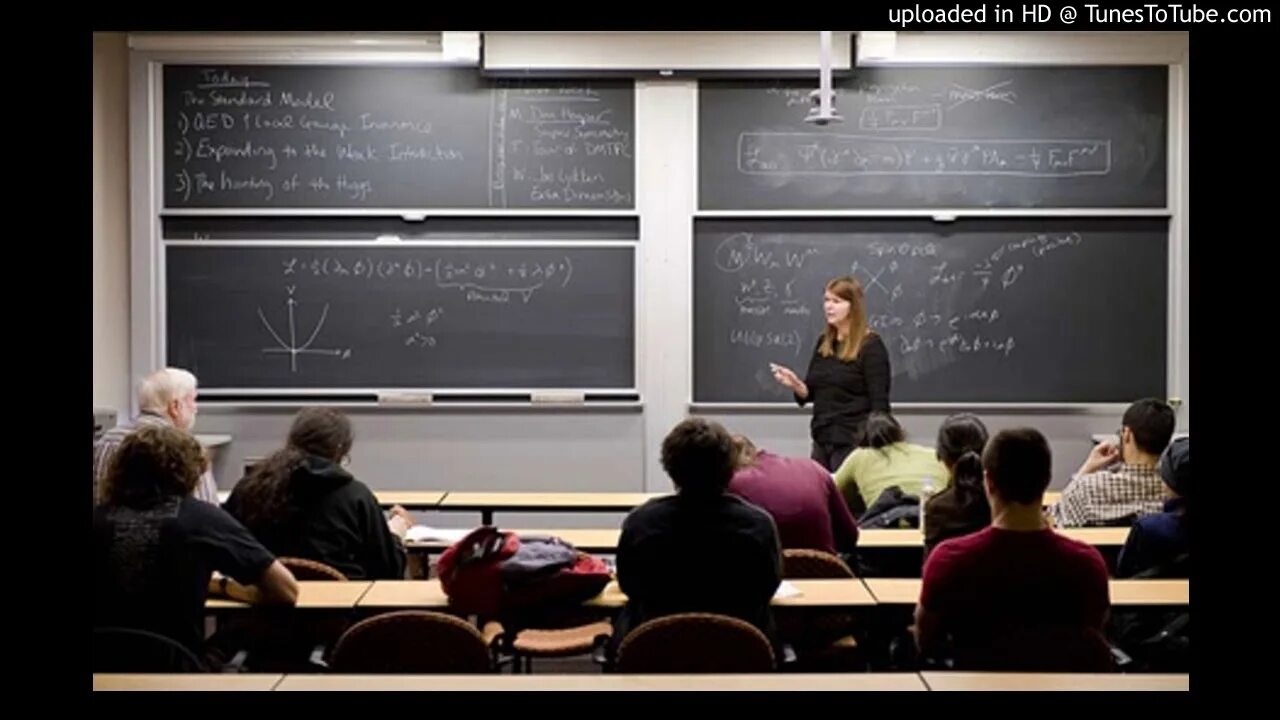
{"x":326,"y":136}
{"x":370,"y":316}
{"x":1027,"y":310}
{"x":939,"y":137}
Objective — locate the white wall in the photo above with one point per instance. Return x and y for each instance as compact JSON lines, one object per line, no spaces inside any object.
{"x":111,"y":327}
{"x":618,"y":449}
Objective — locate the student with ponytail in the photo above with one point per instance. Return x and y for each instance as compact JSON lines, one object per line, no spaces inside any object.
{"x":961,"y":508}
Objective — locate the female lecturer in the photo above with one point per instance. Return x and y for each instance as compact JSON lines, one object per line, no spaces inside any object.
{"x":848,"y":375}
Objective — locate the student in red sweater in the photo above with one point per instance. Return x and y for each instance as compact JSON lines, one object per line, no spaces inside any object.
{"x":1017,"y":595}
{"x":800,"y":495}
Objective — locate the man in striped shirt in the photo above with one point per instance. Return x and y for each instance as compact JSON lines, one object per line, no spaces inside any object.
{"x":165,"y":397}
{"x":1119,"y":482}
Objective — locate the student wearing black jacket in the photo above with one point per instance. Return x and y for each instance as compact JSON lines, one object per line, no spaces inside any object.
{"x":702,"y":549}
{"x":300,"y":502}
{"x":848,"y":376}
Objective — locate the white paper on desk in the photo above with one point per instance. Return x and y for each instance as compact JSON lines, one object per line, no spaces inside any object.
{"x":786,"y":590}
{"x":423,"y":533}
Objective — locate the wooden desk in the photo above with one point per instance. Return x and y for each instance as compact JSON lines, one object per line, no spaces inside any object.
{"x":936,"y":681}
{"x":403,"y":594}
{"x":890,"y":538}
{"x":770,"y":682}
{"x":1051,"y":498}
{"x":905,"y":591}
{"x":410,"y":499}
{"x":827,"y":593}
{"x":313,"y":594}
{"x":893,"y":591}
{"x":1053,"y":681}
{"x":1150,"y":592}
{"x":1097,"y":536}
{"x":186,"y":683}
{"x":489,"y":502}
{"x":612,"y":596}
{"x":592,"y":540}
{"x":429,"y":595}
{"x":605,"y":540}
{"x":813,"y":593}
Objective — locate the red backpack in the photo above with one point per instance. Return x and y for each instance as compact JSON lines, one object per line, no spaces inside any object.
{"x":491,"y":571}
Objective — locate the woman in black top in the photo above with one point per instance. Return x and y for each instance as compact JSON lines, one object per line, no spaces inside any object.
{"x":848,"y":376}
{"x":300,"y":502}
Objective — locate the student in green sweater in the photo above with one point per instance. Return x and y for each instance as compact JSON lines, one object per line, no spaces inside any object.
{"x":883,"y":459}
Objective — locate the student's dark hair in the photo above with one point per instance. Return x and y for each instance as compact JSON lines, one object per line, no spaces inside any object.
{"x":316,"y":431}
{"x":1151,"y":421}
{"x":961,"y":439}
{"x":1020,"y":464}
{"x":879,"y":431}
{"x":699,"y":455}
{"x":153,"y":463}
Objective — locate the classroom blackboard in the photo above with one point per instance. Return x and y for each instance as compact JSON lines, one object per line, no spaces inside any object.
{"x":1013,"y":310}
{"x":329,"y":136}
{"x":939,"y":137}
{"x":369,"y":316}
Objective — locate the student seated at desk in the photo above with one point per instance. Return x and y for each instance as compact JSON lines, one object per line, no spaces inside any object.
{"x":1118,"y":482}
{"x":300,"y":502}
{"x":1017,"y":595}
{"x":961,"y":508}
{"x":166,"y":397}
{"x":885,"y":460}
{"x":1158,"y":639}
{"x":1159,"y":545}
{"x":701,"y":549}
{"x":156,"y":547}
{"x":800,"y":496}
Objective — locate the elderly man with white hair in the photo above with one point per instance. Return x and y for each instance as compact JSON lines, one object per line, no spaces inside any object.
{"x":165,"y":397}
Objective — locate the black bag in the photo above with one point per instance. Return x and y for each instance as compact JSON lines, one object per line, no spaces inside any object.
{"x":893,"y":509}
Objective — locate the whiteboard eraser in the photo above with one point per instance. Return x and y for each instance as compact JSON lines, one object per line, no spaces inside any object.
{"x":404,"y":398}
{"x":558,"y":398}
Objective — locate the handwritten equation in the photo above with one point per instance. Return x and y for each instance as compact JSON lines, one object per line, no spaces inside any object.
{"x":416,"y":322}
{"x":274,"y":136}
{"x":921,"y":297}
{"x":479,"y":281}
{"x":800,"y":153}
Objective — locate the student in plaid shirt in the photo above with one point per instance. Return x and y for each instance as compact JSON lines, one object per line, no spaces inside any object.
{"x":1117,"y":483}
{"x":166,"y":397}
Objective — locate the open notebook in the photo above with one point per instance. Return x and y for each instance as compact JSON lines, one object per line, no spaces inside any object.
{"x":786,"y":590}
{"x":423,"y":533}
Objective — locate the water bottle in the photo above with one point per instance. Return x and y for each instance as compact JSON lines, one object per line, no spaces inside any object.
{"x":926,"y":489}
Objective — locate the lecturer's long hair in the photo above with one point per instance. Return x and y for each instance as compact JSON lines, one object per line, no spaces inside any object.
{"x":846,"y":288}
